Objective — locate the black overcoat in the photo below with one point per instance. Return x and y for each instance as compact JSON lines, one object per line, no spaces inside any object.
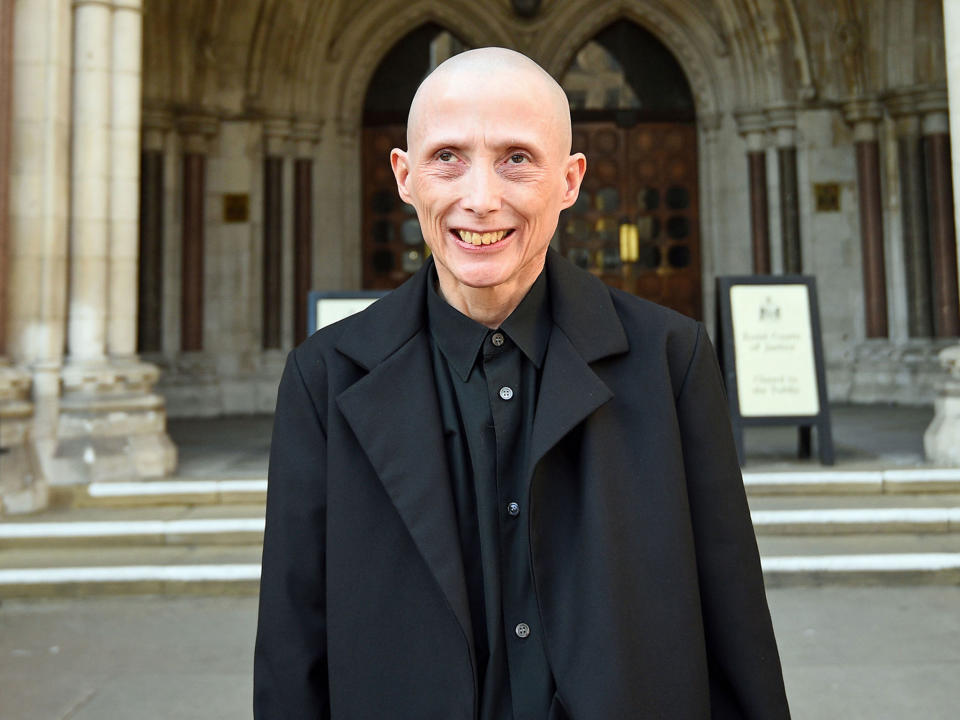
{"x":644,"y":559}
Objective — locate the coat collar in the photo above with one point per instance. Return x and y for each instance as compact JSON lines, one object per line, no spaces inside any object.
{"x":581,"y":306}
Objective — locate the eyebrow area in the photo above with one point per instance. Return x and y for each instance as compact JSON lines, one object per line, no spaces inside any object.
{"x":499,"y":146}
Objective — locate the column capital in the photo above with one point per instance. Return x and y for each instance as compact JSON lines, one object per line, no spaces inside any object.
{"x":305,"y":135}
{"x":932,"y":100}
{"x":276,"y":132}
{"x":782,"y":120}
{"x":750,"y":120}
{"x":863,"y":114}
{"x":901,"y":102}
{"x":156,"y":123}
{"x":196,"y":131}
{"x":131,"y":5}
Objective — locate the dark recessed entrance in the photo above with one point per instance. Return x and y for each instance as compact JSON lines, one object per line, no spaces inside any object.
{"x":636,"y":223}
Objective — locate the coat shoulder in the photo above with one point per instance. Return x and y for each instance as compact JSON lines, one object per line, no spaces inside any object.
{"x":654,"y":328}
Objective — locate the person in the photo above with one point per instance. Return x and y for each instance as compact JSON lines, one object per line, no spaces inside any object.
{"x":506,"y":490}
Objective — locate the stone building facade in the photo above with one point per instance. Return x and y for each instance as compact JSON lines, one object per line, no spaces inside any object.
{"x":175,"y":175}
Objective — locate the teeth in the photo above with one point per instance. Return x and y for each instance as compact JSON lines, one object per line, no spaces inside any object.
{"x":481,"y":238}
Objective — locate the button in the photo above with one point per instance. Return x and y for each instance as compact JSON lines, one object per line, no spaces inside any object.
{"x":522,"y":630}
{"x":513,"y":509}
{"x":506,"y":393}
{"x":497,"y":339}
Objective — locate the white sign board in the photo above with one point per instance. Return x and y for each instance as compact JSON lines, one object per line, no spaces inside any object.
{"x":333,"y":309}
{"x":774,"y":354}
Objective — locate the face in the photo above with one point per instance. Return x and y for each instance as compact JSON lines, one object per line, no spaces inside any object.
{"x":488,"y":170}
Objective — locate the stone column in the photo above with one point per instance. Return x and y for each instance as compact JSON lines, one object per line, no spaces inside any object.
{"x":111,"y":425}
{"x":782,"y":120}
{"x":90,"y":182}
{"x":37,"y":250}
{"x":23,"y":487}
{"x":305,"y":136}
{"x":943,"y":240}
{"x":6,"y":116}
{"x":913,"y":210}
{"x":753,"y":128}
{"x":940,"y":439}
{"x":196,"y":132}
{"x":275,"y":135}
{"x":864,"y":115}
{"x":124,"y":180}
{"x":151,"y":251}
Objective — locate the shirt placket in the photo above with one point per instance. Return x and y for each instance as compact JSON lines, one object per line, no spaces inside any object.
{"x":503,"y":368}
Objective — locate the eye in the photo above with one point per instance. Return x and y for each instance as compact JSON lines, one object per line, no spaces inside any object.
{"x":445,"y":156}
{"x":517,"y":159}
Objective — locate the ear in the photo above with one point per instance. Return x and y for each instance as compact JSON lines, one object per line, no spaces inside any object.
{"x":401,"y":171}
{"x":573,"y":176}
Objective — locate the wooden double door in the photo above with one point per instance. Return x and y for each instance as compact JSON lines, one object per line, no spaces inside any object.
{"x":641,"y":182}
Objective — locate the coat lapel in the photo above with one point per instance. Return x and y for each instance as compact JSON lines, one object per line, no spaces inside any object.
{"x":586,"y":328}
{"x":394,"y":413}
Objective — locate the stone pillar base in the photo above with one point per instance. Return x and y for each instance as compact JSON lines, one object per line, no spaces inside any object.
{"x":941,"y":441}
{"x":112,"y":427}
{"x":23,"y":488}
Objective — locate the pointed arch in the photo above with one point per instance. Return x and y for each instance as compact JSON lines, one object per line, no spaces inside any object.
{"x":367,"y":39}
{"x":683,"y":30}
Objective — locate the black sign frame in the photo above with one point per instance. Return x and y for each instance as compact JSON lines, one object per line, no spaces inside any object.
{"x":727,"y":355}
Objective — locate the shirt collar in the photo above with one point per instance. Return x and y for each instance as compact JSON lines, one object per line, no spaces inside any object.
{"x":460,"y":338}
{"x":529,"y":324}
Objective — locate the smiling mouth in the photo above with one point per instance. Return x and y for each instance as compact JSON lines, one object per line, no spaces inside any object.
{"x":486,"y":238}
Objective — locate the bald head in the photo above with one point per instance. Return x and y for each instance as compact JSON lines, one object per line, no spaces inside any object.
{"x":487,"y":70}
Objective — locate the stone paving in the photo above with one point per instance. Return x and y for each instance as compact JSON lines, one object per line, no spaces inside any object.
{"x":848,"y":654}
{"x":891,"y":436}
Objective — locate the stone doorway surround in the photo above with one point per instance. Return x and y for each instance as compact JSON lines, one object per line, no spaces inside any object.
{"x":789,"y":67}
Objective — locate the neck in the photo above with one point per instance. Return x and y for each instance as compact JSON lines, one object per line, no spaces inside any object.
{"x":489,"y":306}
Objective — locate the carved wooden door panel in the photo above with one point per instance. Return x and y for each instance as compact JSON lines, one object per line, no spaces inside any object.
{"x":393,"y":247}
{"x":640,"y":180}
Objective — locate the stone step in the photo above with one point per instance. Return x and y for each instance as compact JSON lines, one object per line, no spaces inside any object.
{"x":81,"y":572}
{"x":200,"y":572}
{"x":852,"y":482}
{"x":176,"y":491}
{"x":188,"y":527}
{"x":186,"y":491}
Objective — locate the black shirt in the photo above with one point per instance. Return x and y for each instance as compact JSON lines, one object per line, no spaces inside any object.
{"x":487,"y":383}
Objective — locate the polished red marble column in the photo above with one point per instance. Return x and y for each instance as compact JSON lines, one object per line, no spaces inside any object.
{"x":302,"y":244}
{"x":943,"y":241}
{"x":782,"y":120}
{"x":864,"y":116}
{"x":150,"y":272}
{"x":759,"y":213}
{"x":272,"y":252}
{"x":753,"y":126}
{"x":191,"y":264}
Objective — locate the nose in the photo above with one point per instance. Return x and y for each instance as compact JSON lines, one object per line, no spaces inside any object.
{"x":482,"y":190}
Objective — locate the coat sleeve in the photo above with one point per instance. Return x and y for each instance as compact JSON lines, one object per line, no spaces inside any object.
{"x":290,"y":663}
{"x":746,"y":680}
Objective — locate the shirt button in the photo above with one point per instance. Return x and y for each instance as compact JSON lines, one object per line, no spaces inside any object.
{"x":522,"y":630}
{"x":506,"y":393}
{"x":497,"y":339}
{"x":513,"y":509}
